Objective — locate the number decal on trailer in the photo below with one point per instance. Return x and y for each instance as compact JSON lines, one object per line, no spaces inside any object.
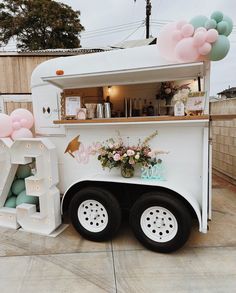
{"x":154,"y":172}
{"x":42,"y":184}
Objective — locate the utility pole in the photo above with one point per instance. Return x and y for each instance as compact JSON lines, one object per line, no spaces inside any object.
{"x":148,"y":14}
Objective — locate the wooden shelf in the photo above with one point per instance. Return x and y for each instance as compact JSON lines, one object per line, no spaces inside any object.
{"x":133,"y":119}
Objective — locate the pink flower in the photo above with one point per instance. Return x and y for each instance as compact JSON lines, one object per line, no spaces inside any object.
{"x":116,"y":157}
{"x":130,"y":153}
{"x":102,"y":152}
{"x":151,"y":154}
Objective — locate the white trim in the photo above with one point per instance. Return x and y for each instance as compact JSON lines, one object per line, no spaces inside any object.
{"x":205,"y":167}
{"x":207,"y":86}
{"x":127,"y":76}
{"x":210,"y":183}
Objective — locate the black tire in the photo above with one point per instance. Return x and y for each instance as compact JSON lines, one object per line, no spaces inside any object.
{"x":107,"y":217}
{"x":165,"y":229}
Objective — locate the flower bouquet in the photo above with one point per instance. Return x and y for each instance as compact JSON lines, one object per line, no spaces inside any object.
{"x":115,"y":153}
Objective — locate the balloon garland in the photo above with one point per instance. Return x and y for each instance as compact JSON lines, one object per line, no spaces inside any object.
{"x":17,"y":125}
{"x":201,"y":38}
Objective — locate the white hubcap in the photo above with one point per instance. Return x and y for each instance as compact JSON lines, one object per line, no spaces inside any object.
{"x":92,"y":215}
{"x":159,"y":224}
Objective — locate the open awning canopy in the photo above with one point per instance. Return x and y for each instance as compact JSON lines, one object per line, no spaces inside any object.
{"x":128,"y":76}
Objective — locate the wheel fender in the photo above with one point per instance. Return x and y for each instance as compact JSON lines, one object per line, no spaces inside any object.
{"x":192,"y":201}
{"x":164,"y":185}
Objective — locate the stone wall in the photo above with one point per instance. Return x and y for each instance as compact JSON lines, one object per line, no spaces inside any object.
{"x":224,"y":140}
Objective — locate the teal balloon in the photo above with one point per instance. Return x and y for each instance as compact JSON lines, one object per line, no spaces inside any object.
{"x":199,"y":21}
{"x":23,"y":198}
{"x":11,"y":202}
{"x":220,"y":48}
{"x":9,"y":194}
{"x":222,"y":27}
{"x":23,"y":171}
{"x":230,"y":25}
{"x":217,"y":16}
{"x":18,"y":186}
{"x":210,"y":23}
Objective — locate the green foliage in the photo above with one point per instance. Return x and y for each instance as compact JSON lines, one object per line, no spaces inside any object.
{"x":39,"y":24}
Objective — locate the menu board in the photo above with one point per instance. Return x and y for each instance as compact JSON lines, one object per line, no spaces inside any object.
{"x":72,"y":104}
{"x":196,"y":101}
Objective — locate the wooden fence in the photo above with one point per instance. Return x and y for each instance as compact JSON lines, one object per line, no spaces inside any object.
{"x":224,"y":139}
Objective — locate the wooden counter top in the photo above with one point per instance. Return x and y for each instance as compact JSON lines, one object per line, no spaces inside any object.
{"x":133,"y":119}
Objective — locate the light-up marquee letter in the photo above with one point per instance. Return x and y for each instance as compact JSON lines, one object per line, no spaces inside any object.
{"x":42,"y":184}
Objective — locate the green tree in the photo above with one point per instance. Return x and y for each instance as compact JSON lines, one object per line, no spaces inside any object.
{"x":39,"y":24}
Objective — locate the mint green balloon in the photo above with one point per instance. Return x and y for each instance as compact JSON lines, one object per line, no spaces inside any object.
{"x":18,"y":186}
{"x":23,"y":198}
{"x":230,"y":25}
{"x":222,"y":27}
{"x":220,"y":48}
{"x":11,"y":202}
{"x":9,"y":194}
{"x":217,"y":16}
{"x":23,"y":171}
{"x":210,"y":23}
{"x":198,"y":21}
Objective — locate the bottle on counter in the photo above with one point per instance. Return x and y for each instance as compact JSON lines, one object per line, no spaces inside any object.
{"x":126,"y":107}
{"x":144,"y":111}
{"x":179,"y":108}
{"x":135,"y":108}
{"x":140,"y":107}
{"x":130,"y":107}
{"x":150,"y":110}
{"x":108,"y":100}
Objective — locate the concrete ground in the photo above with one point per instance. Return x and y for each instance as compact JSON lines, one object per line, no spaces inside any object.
{"x":68,"y":263}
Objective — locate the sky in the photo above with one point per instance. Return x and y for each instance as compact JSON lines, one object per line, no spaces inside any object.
{"x":108,"y":22}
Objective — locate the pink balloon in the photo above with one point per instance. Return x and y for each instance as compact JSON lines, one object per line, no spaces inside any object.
{"x":204,"y":49}
{"x":200,"y":29}
{"x":212,"y":35}
{"x":16,"y":118}
{"x":21,"y":133}
{"x":16,"y":125}
{"x":177,"y":36}
{"x":23,"y":114}
{"x":199,"y":38}
{"x":187,"y":30}
{"x":180,"y":24}
{"x":23,"y":123}
{"x":166,"y":43}
{"x":5,"y":125}
{"x":186,"y":51}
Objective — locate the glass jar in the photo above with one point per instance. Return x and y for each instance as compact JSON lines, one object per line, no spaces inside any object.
{"x":127,"y":170}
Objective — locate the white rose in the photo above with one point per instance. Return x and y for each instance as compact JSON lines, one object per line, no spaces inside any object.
{"x":168,"y":91}
{"x":130,"y":153}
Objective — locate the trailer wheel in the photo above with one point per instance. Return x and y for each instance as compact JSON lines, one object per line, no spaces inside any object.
{"x":95,"y":213}
{"x":160,"y":222}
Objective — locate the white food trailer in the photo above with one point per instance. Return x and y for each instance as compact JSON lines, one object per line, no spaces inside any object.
{"x":160,"y":210}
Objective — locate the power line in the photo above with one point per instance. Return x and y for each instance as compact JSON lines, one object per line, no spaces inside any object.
{"x":109,"y":32}
{"x":142,"y":24}
{"x":112,"y":27}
